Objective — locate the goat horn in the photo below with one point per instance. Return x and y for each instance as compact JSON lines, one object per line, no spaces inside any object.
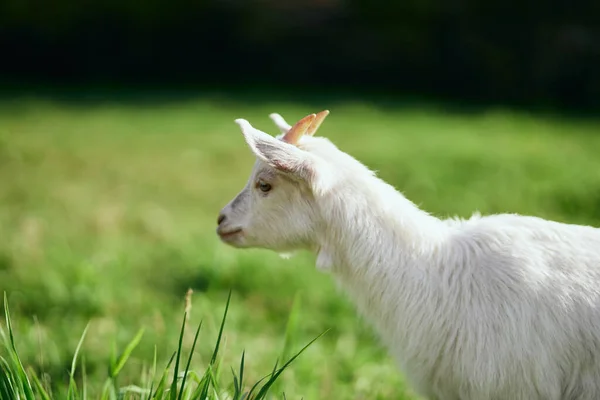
{"x":298,"y":129}
{"x":317,"y":122}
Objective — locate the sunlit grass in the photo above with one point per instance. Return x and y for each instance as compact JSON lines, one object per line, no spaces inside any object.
{"x":107,"y":218}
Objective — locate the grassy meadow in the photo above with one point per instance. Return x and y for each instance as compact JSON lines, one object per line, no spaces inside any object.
{"x":108,"y":212}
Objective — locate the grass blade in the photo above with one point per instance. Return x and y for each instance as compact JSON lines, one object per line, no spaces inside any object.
{"x":39,"y":387}
{"x":206,"y":379}
{"x":108,"y":391}
{"x":83,"y":378}
{"x":8,"y":323}
{"x":242,"y":370}
{"x":22,"y":382}
{"x":120,"y":363}
{"x":236,"y":386}
{"x":239,"y":385}
{"x":7,"y":387}
{"x":173,"y":394}
{"x":158,"y":394}
{"x":153,"y":374}
{"x":72,"y":392}
{"x":263,"y":391}
{"x":187,"y":367}
{"x":255,"y":386}
{"x":214,"y":356}
{"x":204,"y":385}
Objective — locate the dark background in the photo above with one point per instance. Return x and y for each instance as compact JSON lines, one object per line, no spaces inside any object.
{"x":520,"y":53}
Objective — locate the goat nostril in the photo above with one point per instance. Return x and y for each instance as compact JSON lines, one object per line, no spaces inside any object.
{"x":221,"y":219}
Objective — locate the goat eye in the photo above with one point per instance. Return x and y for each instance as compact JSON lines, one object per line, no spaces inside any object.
{"x":263,"y":186}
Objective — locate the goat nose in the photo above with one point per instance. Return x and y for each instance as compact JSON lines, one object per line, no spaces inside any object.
{"x":220,"y":219}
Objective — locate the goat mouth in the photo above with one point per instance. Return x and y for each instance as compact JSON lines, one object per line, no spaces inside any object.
{"x":229,"y":234}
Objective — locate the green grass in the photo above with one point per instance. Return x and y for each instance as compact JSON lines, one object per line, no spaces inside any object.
{"x":18,"y":383}
{"x":107,"y":218}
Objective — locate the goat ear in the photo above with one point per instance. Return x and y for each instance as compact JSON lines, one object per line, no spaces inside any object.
{"x":280,"y":155}
{"x":280,"y":122}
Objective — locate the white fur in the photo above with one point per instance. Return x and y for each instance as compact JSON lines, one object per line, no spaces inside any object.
{"x":494,"y":307}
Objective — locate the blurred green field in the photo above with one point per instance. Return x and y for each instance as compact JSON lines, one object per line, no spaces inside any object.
{"x":108,"y":212}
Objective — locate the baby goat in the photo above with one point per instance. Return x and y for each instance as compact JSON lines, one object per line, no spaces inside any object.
{"x":501,"y":307}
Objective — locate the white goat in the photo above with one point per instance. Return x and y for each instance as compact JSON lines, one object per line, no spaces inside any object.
{"x":495,"y":307}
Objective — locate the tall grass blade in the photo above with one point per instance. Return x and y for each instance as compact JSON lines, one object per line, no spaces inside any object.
{"x":23,"y":383}
{"x":39,"y":387}
{"x":83,"y":379}
{"x":187,"y":367}
{"x":254,"y":387}
{"x":72,"y":393}
{"x":7,"y":387}
{"x":120,"y":363}
{"x":238,"y":385}
{"x":108,"y":391}
{"x":153,"y":374}
{"x":112,"y":360}
{"x":204,"y":385}
{"x":263,"y":391}
{"x":173,"y":394}
{"x":214,"y":356}
{"x":207,"y":379}
{"x":8,"y":324}
{"x":242,"y":370}
{"x":160,"y":389}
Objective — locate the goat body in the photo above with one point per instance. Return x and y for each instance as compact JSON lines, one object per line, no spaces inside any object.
{"x":495,"y":307}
